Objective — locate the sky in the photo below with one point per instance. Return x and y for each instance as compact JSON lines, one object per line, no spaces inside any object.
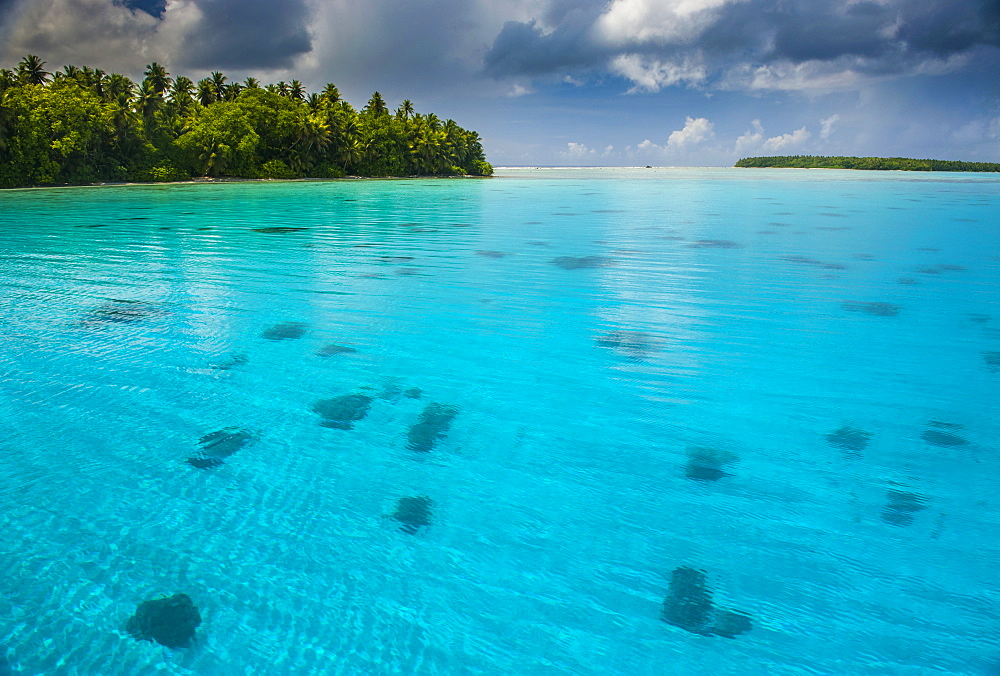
{"x":585,"y":82}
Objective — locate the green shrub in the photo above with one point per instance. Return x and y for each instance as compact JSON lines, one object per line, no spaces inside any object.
{"x":166,"y":172}
{"x":481,"y":168}
{"x":277,"y":169}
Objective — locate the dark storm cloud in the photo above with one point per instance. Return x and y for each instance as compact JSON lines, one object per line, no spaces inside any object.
{"x":945,"y":28}
{"x":239,"y":35}
{"x":895,"y":36}
{"x":151,"y":7}
{"x":522,"y":49}
{"x":5,"y":7}
{"x":525,"y":49}
{"x":814,"y":32}
{"x":248,"y":34}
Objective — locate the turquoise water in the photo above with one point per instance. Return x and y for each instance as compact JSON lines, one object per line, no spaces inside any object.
{"x":571,"y":385}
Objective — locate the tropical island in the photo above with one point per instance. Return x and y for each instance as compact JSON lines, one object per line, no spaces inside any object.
{"x":81,"y":125}
{"x":871,"y":163}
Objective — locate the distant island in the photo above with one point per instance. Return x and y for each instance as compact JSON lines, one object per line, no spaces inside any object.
{"x":81,"y":125}
{"x":875,"y":163}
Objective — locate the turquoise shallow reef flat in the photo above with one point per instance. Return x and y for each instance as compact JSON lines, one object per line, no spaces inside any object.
{"x":554,"y":422}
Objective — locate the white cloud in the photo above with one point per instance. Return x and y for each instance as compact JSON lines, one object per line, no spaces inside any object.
{"x":828,"y":125}
{"x":652,"y":74}
{"x":786,"y":142}
{"x":979,"y":131}
{"x":518,"y":89}
{"x":802,"y":77}
{"x":655,"y":21}
{"x":751,"y":138}
{"x":993,"y":130}
{"x":696,"y":131}
{"x":578,"y":151}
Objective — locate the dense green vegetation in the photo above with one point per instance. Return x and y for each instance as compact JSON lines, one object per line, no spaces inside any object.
{"x":81,"y":125}
{"x":883,"y":163}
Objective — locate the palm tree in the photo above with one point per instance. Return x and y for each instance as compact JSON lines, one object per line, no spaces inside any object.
{"x":454,"y":142}
{"x":214,"y":157}
{"x":296,"y":90}
{"x":7,"y":79}
{"x":218,"y":81}
{"x":376,"y":105}
{"x":172,"y":120}
{"x":251,"y":83}
{"x":349,"y":148}
{"x":315,"y":102}
{"x":72,"y":73}
{"x":428,"y":149}
{"x":312,"y":136}
{"x":7,"y":117}
{"x":31,"y":70}
{"x":405,"y":110}
{"x":118,"y":86}
{"x":282,"y":87}
{"x":183,"y":88}
{"x":125,"y":122}
{"x":158,"y":77}
{"x":147,"y":103}
{"x":352,"y":152}
{"x":206,"y":92}
{"x":330,"y":93}
{"x":95,"y":78}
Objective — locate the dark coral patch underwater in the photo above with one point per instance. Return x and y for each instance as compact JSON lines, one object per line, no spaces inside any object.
{"x":342,"y":412}
{"x":706,"y":464}
{"x":334,"y":349}
{"x":433,"y":423}
{"x":689,"y":605}
{"x":582,"y":262}
{"x":805,"y":260}
{"x":849,"y":439}
{"x":943,"y":439}
{"x":170,"y":621}
{"x":635,"y":345}
{"x":939,"y":268}
{"x":715,"y":244}
{"x":218,"y":445}
{"x":285,"y":331}
{"x":117,"y":311}
{"x":874,"y":308}
{"x":413,"y":513}
{"x":232,"y":361}
{"x":901,"y":506}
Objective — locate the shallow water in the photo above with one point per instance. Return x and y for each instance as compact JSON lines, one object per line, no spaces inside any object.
{"x":783,"y":379}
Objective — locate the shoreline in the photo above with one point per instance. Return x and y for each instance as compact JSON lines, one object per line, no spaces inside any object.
{"x":207,"y":180}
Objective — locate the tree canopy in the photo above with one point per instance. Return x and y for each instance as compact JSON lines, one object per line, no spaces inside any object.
{"x":82,"y":125}
{"x":876,"y":163}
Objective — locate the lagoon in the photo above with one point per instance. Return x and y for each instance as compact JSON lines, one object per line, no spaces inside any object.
{"x":560,"y":421}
